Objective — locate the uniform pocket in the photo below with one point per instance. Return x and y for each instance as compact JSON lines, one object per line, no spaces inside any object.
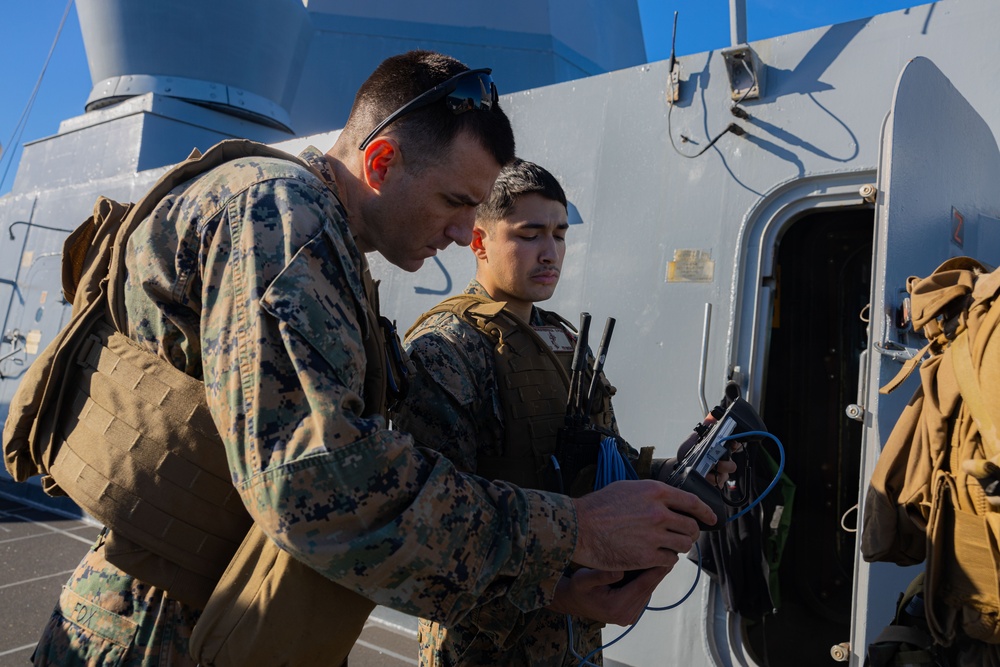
{"x":80,"y":632}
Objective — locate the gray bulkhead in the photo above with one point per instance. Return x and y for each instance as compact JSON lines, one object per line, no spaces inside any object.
{"x":755,"y":257}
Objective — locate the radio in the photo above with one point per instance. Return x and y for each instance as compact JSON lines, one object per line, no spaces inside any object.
{"x":690,"y":472}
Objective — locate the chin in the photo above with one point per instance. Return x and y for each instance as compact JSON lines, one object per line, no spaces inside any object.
{"x":543,"y":295}
{"x":409,"y":265}
{"x":408,"y":261}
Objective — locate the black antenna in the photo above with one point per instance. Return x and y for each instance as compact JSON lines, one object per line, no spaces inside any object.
{"x":602,"y":353}
{"x":673,"y":45}
{"x":576,"y":375}
{"x":674,"y":71}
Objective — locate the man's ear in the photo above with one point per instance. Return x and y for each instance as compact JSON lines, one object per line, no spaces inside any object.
{"x":381,"y":157}
{"x":477,"y":245}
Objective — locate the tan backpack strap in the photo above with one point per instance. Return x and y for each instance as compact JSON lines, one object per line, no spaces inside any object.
{"x":908,"y":367}
{"x":972,"y":395}
{"x":460,"y":305}
{"x":195,"y":165}
{"x":961,"y":359}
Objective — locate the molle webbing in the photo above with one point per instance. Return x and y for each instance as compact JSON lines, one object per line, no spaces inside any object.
{"x":533,"y":387}
{"x":533,"y":382}
{"x":139,"y":452}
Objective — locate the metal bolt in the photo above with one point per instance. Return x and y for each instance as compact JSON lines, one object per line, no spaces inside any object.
{"x":868,"y":193}
{"x":855,"y":412}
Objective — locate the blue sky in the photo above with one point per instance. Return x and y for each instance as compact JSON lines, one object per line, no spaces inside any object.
{"x":28,"y":28}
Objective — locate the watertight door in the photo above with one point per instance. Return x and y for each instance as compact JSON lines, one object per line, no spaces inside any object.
{"x":938,"y":197}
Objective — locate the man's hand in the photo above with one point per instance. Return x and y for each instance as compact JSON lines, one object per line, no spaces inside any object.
{"x":590,"y":594}
{"x":634,"y":525}
{"x":719,"y":475}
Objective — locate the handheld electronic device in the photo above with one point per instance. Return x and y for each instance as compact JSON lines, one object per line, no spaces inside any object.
{"x":690,"y":472}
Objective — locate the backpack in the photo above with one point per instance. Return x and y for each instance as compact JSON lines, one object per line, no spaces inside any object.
{"x":935,"y":491}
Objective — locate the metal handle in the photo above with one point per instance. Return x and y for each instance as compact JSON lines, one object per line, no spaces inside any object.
{"x":856,"y":411}
{"x":895,"y":351}
{"x":704,"y":358}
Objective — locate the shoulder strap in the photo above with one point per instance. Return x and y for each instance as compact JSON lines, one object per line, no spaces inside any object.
{"x":906,"y":371}
{"x":556,"y":319}
{"x":972,"y":395}
{"x":461,"y":305}
{"x":195,"y":165}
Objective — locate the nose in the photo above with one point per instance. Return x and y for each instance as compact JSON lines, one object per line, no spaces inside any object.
{"x":460,"y":229}
{"x":548,"y":253}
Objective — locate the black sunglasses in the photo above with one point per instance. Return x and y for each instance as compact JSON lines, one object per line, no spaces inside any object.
{"x":472,"y":89}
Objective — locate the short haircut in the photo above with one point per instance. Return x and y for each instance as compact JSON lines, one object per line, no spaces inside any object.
{"x":425,"y":134}
{"x":516,"y":179}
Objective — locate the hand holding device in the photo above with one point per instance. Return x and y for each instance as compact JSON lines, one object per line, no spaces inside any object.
{"x":691,"y":471}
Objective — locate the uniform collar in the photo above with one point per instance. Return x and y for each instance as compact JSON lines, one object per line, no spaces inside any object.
{"x":476,"y":287}
{"x":317,"y":160}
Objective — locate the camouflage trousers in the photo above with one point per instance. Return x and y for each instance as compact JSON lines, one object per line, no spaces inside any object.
{"x":107,"y":618}
{"x":544,"y":642}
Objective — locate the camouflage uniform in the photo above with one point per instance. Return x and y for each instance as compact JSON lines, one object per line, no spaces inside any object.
{"x":248,"y":278}
{"x":454,"y":407}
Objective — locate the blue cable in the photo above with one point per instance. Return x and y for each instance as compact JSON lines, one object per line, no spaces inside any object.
{"x":777,"y":476}
{"x":585,"y":661}
{"x":611,"y":465}
{"x":697,"y":577}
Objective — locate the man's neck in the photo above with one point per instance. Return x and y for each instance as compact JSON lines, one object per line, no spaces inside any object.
{"x":347,"y":191}
{"x":520,"y":309}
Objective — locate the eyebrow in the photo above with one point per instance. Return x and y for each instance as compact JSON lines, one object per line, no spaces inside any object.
{"x":465,"y":199}
{"x":527,"y":224}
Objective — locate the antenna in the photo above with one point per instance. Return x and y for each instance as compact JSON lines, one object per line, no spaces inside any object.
{"x":573,"y":407}
{"x":674,"y":86}
{"x":737,"y":22}
{"x":602,"y":353}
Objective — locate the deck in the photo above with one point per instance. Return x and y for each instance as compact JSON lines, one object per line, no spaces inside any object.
{"x":40,"y":546}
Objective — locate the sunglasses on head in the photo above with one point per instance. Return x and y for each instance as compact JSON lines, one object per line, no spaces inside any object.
{"x":472,"y":89}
